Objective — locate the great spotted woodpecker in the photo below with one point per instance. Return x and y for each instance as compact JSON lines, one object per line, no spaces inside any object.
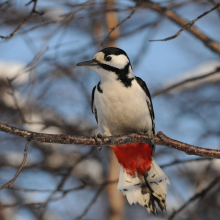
{"x":121,"y":103}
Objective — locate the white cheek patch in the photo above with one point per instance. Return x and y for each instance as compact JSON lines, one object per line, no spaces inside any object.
{"x":119,"y":61}
{"x":99,"y":57}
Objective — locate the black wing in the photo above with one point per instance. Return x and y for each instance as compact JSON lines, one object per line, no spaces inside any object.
{"x":149,"y":102}
{"x":94,"y":110}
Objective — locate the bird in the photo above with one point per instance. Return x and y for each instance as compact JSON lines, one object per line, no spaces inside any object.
{"x":121,"y":103}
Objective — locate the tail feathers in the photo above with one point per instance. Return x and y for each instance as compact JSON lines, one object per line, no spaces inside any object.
{"x":158,"y":181}
{"x":145,"y":190}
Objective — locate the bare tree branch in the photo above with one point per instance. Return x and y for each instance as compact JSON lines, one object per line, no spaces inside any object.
{"x":211,"y":44}
{"x":65,"y":191}
{"x":63,"y":180}
{"x":175,"y":162}
{"x":188,"y":25}
{"x":15,"y":100}
{"x":195,"y":197}
{"x":121,"y":22}
{"x":159,"y":139}
{"x":101,"y":188}
{"x":9,"y":184}
{"x":24,"y":21}
{"x":159,"y":92}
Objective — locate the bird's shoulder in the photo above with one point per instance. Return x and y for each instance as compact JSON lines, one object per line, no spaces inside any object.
{"x":143,"y":85}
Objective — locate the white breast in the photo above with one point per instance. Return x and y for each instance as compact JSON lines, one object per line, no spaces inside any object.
{"x":122,"y":110}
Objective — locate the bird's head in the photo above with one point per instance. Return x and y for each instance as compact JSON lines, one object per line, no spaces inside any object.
{"x":110,"y":63}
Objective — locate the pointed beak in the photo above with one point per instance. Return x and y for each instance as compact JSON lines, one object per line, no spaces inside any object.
{"x":89,"y":63}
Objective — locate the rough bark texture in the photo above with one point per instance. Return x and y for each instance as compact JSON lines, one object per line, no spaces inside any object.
{"x":159,"y":139}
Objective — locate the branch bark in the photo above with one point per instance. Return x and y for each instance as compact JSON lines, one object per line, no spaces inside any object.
{"x":159,"y":139}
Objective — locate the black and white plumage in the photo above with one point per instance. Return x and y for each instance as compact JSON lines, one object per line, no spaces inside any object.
{"x":121,"y":103}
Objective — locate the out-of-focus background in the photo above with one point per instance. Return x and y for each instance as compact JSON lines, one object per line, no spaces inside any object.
{"x":42,"y":90}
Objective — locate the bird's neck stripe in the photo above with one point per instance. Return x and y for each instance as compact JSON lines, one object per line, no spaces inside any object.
{"x":121,"y":73}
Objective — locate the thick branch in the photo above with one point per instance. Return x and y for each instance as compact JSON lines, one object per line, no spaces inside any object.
{"x":159,"y":139}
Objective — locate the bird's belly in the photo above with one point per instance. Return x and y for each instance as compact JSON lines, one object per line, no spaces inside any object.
{"x":123,"y":116}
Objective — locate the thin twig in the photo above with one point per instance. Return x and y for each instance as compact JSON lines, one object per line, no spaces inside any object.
{"x":63,"y":180}
{"x":188,"y":25}
{"x":214,"y":3}
{"x":91,"y":203}
{"x":203,"y":176}
{"x":183,"y":161}
{"x":25,"y":20}
{"x":64,"y":191}
{"x":15,"y":100}
{"x":121,"y":22}
{"x":9,"y":184}
{"x":174,"y":86}
{"x":195,"y":197}
{"x":208,"y":42}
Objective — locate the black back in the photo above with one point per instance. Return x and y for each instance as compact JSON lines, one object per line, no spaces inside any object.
{"x":150,"y":104}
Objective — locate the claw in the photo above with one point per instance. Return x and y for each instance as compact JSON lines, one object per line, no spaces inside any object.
{"x":98,"y":136}
{"x":151,"y":136}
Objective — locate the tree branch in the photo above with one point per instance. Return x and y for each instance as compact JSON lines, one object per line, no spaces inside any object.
{"x":175,"y":162}
{"x":159,"y":139}
{"x":121,"y":22}
{"x":211,"y":44}
{"x":174,"y":86}
{"x":62,"y":182}
{"x":188,"y":25}
{"x":101,"y":188}
{"x":195,"y":197}
{"x":24,"y":21}
{"x":9,"y":184}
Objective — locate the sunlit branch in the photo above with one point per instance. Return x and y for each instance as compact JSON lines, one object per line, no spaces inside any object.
{"x":159,"y":139}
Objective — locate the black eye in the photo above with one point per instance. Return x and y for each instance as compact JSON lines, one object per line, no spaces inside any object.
{"x":108,"y":58}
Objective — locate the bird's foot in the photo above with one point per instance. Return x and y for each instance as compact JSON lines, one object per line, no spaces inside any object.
{"x":100,"y":137}
{"x":151,"y":136}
